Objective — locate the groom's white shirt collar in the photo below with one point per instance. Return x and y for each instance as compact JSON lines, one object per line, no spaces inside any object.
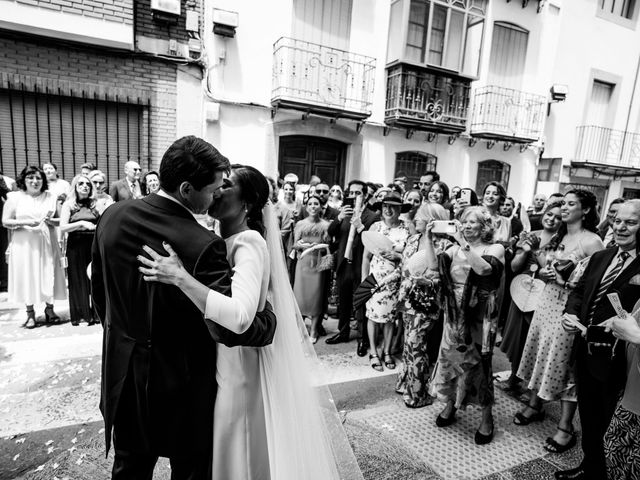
{"x":164,"y":194}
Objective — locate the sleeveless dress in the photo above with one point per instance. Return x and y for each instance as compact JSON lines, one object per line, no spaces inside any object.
{"x":309,"y":286}
{"x":545,"y":363}
{"x":239,"y":430}
{"x":79,"y":256}
{"x":381,"y":307}
{"x":35,"y":274}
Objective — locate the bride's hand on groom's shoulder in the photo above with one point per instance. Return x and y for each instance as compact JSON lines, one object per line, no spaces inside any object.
{"x":160,"y":268}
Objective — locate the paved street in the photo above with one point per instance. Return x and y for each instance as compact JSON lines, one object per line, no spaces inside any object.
{"x":49,"y":391}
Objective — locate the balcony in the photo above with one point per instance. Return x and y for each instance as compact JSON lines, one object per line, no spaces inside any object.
{"x":613,"y":151}
{"x":426,"y":100}
{"x":507,"y":115}
{"x":322,"y":80}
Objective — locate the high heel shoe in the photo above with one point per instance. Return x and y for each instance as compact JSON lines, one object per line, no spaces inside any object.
{"x":482,"y":439}
{"x":446,"y":421}
{"x":49,"y":315}
{"x":31,"y":319}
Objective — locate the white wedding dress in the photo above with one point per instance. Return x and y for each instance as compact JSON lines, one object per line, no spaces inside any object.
{"x":270,"y":422}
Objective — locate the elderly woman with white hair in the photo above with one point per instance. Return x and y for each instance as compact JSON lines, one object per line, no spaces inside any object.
{"x":420,"y":310}
{"x":470,"y":274}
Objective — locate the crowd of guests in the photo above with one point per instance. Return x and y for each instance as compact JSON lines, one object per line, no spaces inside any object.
{"x":462,"y":272}
{"x":465,"y":272}
{"x":48,"y":228}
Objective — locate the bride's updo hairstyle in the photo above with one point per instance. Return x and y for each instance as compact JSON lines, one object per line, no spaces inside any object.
{"x":254,"y":192}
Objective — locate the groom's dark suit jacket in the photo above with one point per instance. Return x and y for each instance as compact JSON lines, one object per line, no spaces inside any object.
{"x":159,"y":355}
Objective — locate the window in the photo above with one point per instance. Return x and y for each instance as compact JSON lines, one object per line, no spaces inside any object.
{"x":508,"y":55}
{"x":599,"y":109}
{"x":445,"y":33}
{"x":492,"y":171}
{"x":413,"y":165}
{"x":630,"y":193}
{"x":620,"y":8}
{"x":37,"y":128}
{"x":549,"y":169}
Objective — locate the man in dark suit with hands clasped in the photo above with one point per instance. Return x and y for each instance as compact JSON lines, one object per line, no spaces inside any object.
{"x":159,"y":354}
{"x":600,"y":360}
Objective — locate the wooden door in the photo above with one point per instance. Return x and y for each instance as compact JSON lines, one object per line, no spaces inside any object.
{"x":307,"y":156}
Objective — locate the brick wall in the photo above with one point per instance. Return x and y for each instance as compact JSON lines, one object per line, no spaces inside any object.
{"x":148,"y":27}
{"x":120,"y":11}
{"x":41,"y":64}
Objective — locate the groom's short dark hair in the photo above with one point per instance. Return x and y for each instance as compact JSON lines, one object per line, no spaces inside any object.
{"x":191,"y":159}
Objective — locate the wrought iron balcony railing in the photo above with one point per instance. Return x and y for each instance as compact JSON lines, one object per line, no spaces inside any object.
{"x":426,"y":100}
{"x":605,"y":146}
{"x":320,"y":79}
{"x":506,"y":114}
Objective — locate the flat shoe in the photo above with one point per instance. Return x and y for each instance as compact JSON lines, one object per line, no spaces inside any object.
{"x":374,"y":361}
{"x":389,"y":362}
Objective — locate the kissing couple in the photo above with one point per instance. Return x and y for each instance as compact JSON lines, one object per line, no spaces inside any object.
{"x":205,"y":358}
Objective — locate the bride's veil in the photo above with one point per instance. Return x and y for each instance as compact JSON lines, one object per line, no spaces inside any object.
{"x":305,"y":436}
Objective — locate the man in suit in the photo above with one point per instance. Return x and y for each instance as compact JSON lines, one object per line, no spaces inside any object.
{"x":600,"y":361}
{"x":128,"y":187}
{"x":348,"y":271}
{"x":328,"y":213}
{"x":159,"y":355}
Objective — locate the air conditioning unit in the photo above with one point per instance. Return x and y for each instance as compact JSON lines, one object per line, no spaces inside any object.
{"x":225,"y":22}
{"x":171,"y":7}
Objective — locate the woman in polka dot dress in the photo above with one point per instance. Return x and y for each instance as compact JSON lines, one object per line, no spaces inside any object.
{"x":546,"y":359}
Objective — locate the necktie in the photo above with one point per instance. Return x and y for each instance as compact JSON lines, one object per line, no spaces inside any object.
{"x":606,"y":283}
{"x":134,"y":191}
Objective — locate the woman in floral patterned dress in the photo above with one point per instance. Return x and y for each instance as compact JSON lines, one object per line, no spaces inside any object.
{"x":420,"y":312}
{"x":470,"y":274}
{"x":384,"y":265}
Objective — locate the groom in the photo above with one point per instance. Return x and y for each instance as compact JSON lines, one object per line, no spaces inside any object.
{"x":159,"y":354}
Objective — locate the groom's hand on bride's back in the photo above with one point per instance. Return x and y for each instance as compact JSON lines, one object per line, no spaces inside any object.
{"x":259,"y":334}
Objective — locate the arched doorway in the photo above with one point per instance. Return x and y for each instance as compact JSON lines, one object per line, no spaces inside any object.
{"x":492,"y":171}
{"x":306,"y":156}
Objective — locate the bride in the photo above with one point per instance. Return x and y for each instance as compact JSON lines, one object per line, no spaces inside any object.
{"x":270,"y":422}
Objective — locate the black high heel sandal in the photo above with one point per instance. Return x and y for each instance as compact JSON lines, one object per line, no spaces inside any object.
{"x":50,"y":315}
{"x":554,"y":447}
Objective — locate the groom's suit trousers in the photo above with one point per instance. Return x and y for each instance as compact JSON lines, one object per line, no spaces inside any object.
{"x":135,"y":466}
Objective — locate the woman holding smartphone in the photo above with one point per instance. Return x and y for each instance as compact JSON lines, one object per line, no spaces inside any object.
{"x":470,"y":274}
{"x":35,"y":273}
{"x":545,"y":366}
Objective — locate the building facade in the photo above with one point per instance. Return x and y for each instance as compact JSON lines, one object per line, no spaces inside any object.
{"x":541,"y":95}
{"x":374,"y":89}
{"x":93,"y":81}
